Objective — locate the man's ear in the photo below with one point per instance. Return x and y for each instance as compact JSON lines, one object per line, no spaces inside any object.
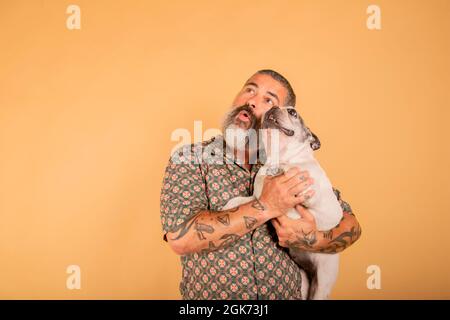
{"x":313,"y":139}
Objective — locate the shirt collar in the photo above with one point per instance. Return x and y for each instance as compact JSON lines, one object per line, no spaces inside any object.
{"x":218,"y":143}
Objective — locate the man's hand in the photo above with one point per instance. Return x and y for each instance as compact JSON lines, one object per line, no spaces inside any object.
{"x":283,"y":192}
{"x":301,"y":231}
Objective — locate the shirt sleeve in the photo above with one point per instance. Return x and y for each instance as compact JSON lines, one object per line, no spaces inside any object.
{"x":183,"y":193}
{"x":344,"y":205}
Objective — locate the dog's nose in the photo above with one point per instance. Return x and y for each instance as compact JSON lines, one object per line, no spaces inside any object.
{"x":272,"y":118}
{"x":270,"y":114}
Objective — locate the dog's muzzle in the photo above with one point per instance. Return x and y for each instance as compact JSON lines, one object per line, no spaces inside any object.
{"x":271,"y":121}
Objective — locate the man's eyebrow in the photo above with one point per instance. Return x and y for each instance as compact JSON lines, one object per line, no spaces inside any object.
{"x":251,"y":84}
{"x":268,"y":92}
{"x":273,"y":95}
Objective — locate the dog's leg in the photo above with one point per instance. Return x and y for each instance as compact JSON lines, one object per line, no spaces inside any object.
{"x":327,"y":267}
{"x":236,"y":202}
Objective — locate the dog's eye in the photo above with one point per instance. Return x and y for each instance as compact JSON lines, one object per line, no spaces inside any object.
{"x":292,"y":112}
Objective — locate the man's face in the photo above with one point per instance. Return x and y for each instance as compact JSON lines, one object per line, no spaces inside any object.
{"x":261,"y":92}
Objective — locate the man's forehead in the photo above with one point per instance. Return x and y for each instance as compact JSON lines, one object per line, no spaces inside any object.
{"x":268,"y":83}
{"x":265,"y":80}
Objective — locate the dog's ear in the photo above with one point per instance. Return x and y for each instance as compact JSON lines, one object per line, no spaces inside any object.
{"x":313,"y":139}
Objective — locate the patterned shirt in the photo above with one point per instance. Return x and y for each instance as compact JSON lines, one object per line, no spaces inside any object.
{"x":253,"y":267}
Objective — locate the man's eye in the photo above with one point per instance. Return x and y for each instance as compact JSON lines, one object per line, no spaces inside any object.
{"x":250,"y":90}
{"x":269,"y":101}
{"x":292,"y":112}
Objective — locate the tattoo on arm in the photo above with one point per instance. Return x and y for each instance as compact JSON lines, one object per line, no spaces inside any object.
{"x":224,"y":219}
{"x":200,"y":228}
{"x":250,"y":222}
{"x":328,"y":234}
{"x":343,"y":240}
{"x":227,"y":240}
{"x":338,"y":240}
{"x":258,"y":205}
{"x":185,"y":227}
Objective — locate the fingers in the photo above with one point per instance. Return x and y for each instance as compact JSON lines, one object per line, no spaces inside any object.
{"x":283,"y":220}
{"x":301,"y":187}
{"x":297,"y":184}
{"x":281,"y":229}
{"x":296,"y":179}
{"x":305,"y":213}
{"x":302,"y":197}
{"x":280,"y":232}
{"x":289,"y":174}
{"x":283,"y":192}
{"x":276,"y":224}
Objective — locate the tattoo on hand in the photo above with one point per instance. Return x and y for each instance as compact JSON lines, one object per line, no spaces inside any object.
{"x":309,"y":239}
{"x":305,"y":241}
{"x":258,"y":205}
{"x":250,"y":222}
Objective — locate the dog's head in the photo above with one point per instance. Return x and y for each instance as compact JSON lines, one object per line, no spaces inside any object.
{"x":291,"y":127}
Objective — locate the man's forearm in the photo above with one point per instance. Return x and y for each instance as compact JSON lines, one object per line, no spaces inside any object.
{"x":210,"y":231}
{"x":335,"y":240}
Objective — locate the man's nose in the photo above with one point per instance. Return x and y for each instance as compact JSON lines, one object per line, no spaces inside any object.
{"x":256,"y":106}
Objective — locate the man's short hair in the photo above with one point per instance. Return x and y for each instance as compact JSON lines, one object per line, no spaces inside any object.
{"x":290,"y":98}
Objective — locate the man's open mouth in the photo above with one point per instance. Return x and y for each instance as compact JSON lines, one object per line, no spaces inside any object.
{"x":244,"y":116}
{"x":271,"y":122}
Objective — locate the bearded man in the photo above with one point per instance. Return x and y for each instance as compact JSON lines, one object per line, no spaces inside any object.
{"x":242,"y":253}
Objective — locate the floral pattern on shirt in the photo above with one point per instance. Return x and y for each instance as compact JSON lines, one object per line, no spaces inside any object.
{"x":254,"y":266}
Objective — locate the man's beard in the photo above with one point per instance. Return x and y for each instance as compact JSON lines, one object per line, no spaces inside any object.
{"x":241,"y":135}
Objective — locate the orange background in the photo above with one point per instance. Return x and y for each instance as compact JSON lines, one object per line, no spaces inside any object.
{"x":86,"y":117}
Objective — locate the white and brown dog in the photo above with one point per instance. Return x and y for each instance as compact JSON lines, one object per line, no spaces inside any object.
{"x":296,"y":144}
